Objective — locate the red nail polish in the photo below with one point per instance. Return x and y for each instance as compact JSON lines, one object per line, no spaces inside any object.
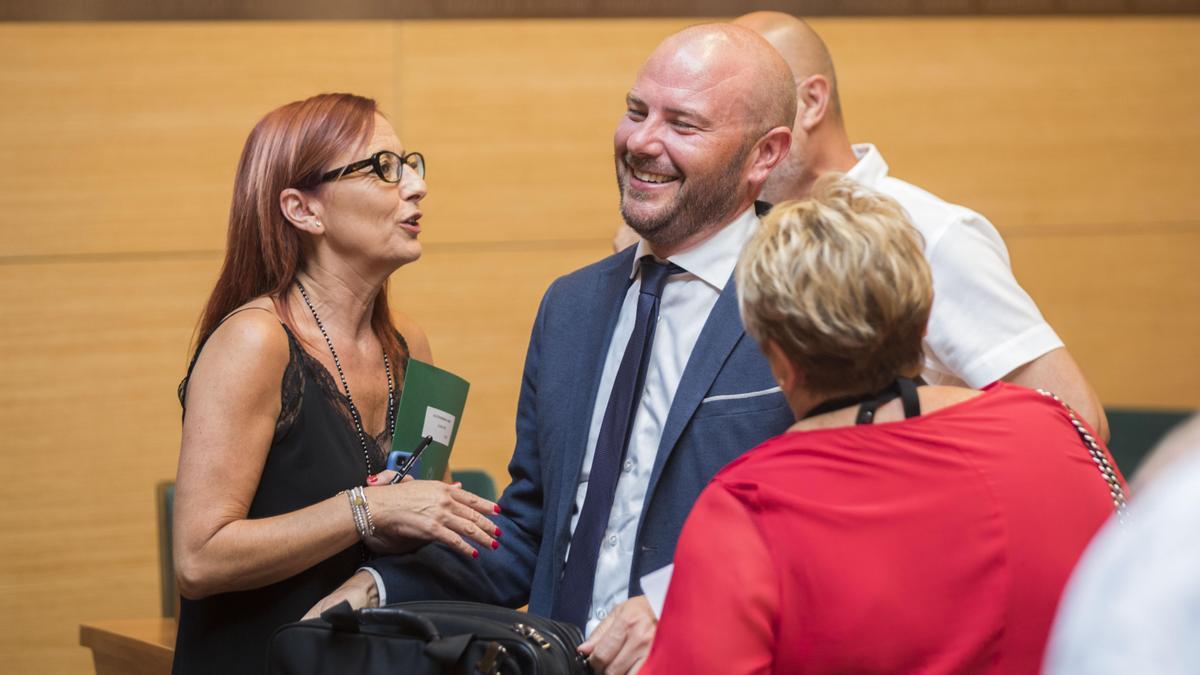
{"x":497,"y":532}
{"x":497,"y":508}
{"x":474,"y":554}
{"x":456,"y":484}
{"x":372,"y":478}
{"x":495,"y":544}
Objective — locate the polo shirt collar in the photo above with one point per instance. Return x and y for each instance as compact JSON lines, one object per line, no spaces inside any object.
{"x":870,"y":168}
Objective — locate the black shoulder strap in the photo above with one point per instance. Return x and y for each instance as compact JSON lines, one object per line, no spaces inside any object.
{"x":866,"y":411}
{"x":903,"y":387}
{"x":909,"y":398}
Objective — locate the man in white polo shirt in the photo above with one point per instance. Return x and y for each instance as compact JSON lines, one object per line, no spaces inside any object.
{"x":984,"y":327}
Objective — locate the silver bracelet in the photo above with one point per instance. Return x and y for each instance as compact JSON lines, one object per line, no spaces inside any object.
{"x":362,"y":512}
{"x":359,"y":521}
{"x":366,"y":507}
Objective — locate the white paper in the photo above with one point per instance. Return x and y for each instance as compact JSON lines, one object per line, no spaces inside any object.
{"x":439,"y":424}
{"x":654,"y":586}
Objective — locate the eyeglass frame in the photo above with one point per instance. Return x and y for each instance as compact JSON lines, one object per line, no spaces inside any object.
{"x":376,"y":167}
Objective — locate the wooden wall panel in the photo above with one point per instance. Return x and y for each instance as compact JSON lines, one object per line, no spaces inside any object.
{"x":1086,"y":124}
{"x":125,"y":137}
{"x":92,"y":353}
{"x":1073,"y":136}
{"x":1127,"y":305}
{"x":519,"y":115}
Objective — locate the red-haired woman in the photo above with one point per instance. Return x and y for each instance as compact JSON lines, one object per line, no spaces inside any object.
{"x":290,"y":399}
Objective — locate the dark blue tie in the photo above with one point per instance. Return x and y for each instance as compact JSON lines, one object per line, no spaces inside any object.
{"x":574,"y":597}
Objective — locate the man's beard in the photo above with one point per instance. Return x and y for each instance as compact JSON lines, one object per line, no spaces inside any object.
{"x":700,"y":202}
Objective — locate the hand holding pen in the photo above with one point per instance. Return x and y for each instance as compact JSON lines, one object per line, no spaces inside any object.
{"x":408,"y":517}
{"x":412,"y":460}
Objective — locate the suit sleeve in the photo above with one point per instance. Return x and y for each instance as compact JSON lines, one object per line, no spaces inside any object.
{"x":503,"y":576}
{"x":723,"y":598}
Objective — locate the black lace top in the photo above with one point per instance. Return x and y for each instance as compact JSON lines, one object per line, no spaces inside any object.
{"x":314,"y":454}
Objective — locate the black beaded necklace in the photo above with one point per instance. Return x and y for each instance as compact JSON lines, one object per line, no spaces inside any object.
{"x":358,"y":426}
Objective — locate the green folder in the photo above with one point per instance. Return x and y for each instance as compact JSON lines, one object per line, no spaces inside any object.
{"x":431,"y":404}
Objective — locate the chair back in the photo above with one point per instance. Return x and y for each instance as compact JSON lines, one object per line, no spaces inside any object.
{"x":164,"y":494}
{"x":1135,"y":431}
{"x":476,"y":481}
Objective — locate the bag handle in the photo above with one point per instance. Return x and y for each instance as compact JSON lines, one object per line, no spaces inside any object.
{"x":342,"y":618}
{"x":395,"y":616}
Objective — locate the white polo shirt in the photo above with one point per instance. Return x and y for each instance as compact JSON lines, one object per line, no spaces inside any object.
{"x":983,"y":324}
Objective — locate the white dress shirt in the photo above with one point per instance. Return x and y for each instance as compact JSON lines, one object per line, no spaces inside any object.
{"x":687,"y":300}
{"x":983,"y":324}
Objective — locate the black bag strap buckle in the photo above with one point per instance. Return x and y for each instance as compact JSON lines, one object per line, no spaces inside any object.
{"x":341,"y":617}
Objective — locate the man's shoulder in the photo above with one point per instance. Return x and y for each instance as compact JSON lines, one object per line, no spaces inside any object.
{"x":929,"y":213}
{"x":917,"y":200}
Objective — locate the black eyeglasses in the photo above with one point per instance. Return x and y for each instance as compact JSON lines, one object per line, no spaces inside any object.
{"x":386,"y":164}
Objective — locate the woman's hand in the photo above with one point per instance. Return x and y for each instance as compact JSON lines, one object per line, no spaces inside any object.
{"x":414,"y":512}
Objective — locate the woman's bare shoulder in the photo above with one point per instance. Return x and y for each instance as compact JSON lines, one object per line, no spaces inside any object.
{"x":253,"y":327}
{"x":250,"y":343}
{"x":936,"y":397}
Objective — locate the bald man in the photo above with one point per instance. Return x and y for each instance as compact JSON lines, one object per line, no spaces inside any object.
{"x":984,"y":327}
{"x":639,"y":380}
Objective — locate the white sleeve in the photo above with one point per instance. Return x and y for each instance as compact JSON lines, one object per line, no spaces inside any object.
{"x":378,"y":584}
{"x":654,"y":587}
{"x":983,"y":324}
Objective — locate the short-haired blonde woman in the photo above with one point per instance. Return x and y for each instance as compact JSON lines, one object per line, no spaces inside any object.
{"x":896,"y":528}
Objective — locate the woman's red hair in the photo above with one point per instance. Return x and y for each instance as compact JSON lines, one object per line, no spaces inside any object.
{"x":291,"y":147}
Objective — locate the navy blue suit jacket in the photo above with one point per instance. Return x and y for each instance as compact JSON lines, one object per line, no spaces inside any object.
{"x":723,"y":406}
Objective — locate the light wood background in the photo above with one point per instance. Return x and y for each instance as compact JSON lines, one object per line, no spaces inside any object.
{"x":1077,"y":137}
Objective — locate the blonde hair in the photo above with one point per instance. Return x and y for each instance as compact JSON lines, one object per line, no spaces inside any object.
{"x":840,"y":283}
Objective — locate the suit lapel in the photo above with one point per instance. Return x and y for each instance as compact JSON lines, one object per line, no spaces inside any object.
{"x":593,"y":333}
{"x":717,"y":339}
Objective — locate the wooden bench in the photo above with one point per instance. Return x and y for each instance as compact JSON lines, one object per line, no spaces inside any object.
{"x":130,"y":646}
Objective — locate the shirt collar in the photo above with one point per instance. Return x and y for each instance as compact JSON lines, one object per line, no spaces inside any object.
{"x":713,"y":260}
{"x":870,"y":168}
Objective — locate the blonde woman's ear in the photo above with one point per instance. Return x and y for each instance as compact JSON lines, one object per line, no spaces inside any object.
{"x":782,"y":368}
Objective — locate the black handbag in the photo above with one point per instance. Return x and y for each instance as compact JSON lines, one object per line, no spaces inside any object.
{"x":427,"y":637}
